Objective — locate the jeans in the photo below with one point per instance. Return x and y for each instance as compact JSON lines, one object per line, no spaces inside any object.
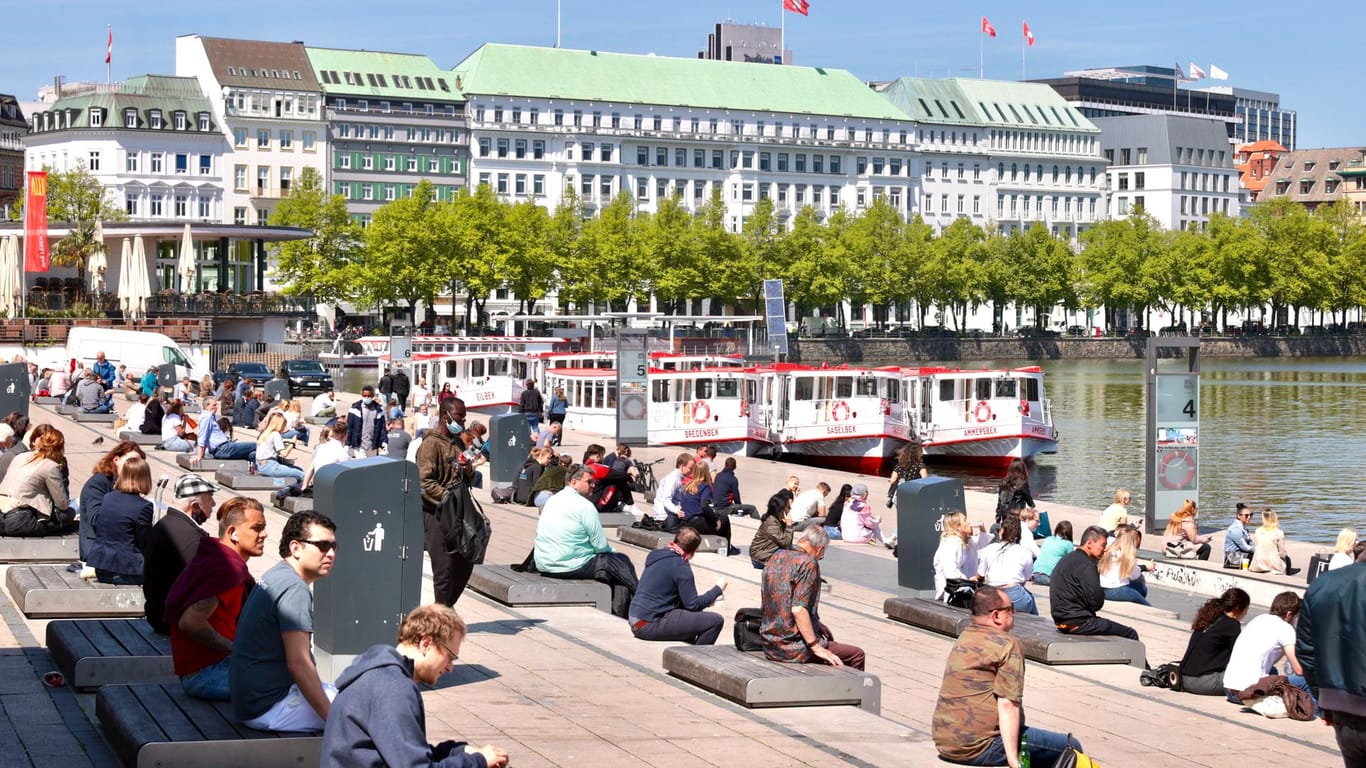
{"x":1351,"y":733}
{"x":533,"y":420}
{"x":834,"y":532}
{"x":1022,"y":599}
{"x":710,"y":524}
{"x":209,"y":683}
{"x":106,"y":406}
{"x":1204,"y":685}
{"x":300,"y":433}
{"x":692,"y":627}
{"x":1098,"y":626}
{"x":1133,"y":592}
{"x":236,"y":449}
{"x":121,"y":579}
{"x":274,"y":468}
{"x":177,"y":444}
{"x":613,"y":569}
{"x":542,"y":497}
{"x":1045,"y":747}
{"x":1042,"y":579}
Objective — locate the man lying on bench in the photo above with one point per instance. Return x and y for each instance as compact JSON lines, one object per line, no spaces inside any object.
{"x":206,"y":600}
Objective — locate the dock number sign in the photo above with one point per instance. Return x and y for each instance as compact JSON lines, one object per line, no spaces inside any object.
{"x":1177,"y":445}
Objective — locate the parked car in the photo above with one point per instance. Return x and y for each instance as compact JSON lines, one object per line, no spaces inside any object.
{"x":1076,"y":330}
{"x":259,"y":372}
{"x":307,"y":376}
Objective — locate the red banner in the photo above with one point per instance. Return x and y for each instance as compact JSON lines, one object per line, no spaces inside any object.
{"x":35,"y":223}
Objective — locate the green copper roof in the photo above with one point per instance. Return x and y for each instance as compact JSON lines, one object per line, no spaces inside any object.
{"x":985,"y":103}
{"x":142,"y":93}
{"x":525,"y":71}
{"x":375,"y":74}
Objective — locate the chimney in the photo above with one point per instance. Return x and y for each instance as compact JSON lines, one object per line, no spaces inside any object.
{"x":57,"y":87}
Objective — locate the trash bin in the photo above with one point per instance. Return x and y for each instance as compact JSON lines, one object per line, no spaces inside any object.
{"x":377,"y":578}
{"x":14,"y":389}
{"x":509,"y":443}
{"x":166,"y":375}
{"x":920,"y":508}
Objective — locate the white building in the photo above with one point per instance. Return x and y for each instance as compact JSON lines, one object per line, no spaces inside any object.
{"x":546,"y":120}
{"x":1178,"y":169}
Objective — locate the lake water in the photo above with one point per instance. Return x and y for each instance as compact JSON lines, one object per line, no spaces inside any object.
{"x":1273,"y":432}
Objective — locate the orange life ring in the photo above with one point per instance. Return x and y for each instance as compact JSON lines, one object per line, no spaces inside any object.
{"x":1024,"y":407}
{"x":982,"y":412}
{"x":701,"y":412}
{"x":840,"y":411}
{"x":1173,"y":461}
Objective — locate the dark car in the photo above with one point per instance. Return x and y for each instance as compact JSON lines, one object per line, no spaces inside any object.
{"x":307,"y":376}
{"x":259,"y":372}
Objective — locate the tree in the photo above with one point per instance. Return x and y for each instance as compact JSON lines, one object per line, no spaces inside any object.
{"x":529,"y":271}
{"x":322,"y":265}
{"x":1111,"y":268}
{"x":1041,"y":272}
{"x":1345,"y":241}
{"x":473,"y":236}
{"x":670,"y":256}
{"x":610,"y":269}
{"x":565,"y":241}
{"x":876,"y":243}
{"x":77,"y":198}
{"x":759,"y":256}
{"x":402,"y":258}
{"x":1297,"y":263}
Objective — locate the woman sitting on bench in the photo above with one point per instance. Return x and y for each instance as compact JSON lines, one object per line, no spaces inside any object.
{"x":99,"y":485}
{"x":33,"y":495}
{"x":124,"y":524}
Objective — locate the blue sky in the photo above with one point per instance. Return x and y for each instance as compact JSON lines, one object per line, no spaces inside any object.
{"x":1289,"y":49}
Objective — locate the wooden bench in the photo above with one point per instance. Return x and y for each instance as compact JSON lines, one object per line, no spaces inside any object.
{"x":513,"y":588}
{"x":1039,"y":638}
{"x":245,"y":481}
{"x":92,"y":653}
{"x":292,"y":504}
{"x":754,"y":681}
{"x":661,"y":539}
{"x":40,"y":549}
{"x":616,"y":519}
{"x":51,"y":591}
{"x":47,"y":400}
{"x":210,"y":464}
{"x":159,"y":726}
{"x":320,"y":421}
{"x":93,"y":418}
{"x":137,"y":437}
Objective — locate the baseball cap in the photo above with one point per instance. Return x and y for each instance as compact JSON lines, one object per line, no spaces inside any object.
{"x":860,"y":490}
{"x":190,"y":484}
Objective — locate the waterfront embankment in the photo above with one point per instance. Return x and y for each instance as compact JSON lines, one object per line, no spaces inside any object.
{"x":898,"y":351}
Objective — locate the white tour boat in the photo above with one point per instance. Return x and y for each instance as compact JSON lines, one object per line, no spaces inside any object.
{"x":979,"y":417}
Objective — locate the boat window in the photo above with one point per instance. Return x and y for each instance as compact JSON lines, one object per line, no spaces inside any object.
{"x":498,"y":366}
{"x":519,"y":369}
{"x":844,"y":387}
{"x":728,"y":388}
{"x":611,"y":394}
{"x":804,"y":388}
{"x":751,"y":391}
{"x":1005,"y":388}
{"x":823,"y":388}
{"x":867,"y":387}
{"x":1031,"y":387}
{"x":453,"y":369}
{"x":659,"y":391}
{"x":705,"y":389}
{"x":981,"y":389}
{"x":893,"y":391}
{"x":946,"y":392}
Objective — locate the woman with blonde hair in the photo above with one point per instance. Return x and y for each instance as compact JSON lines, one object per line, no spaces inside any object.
{"x":295,"y":426}
{"x":956,"y":557}
{"x":272,"y":452}
{"x":1183,"y":539}
{"x":1268,"y":541}
{"x":1120,"y":574}
{"x":695,"y":499}
{"x":1342,"y":552}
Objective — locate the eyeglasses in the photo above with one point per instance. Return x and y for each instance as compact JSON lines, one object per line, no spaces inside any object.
{"x":1007,"y":609}
{"x":454,"y":656}
{"x":324,"y":546}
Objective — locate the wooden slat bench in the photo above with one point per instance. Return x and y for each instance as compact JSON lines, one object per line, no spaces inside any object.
{"x":210,"y":464}
{"x":51,"y":591}
{"x":1040,"y":640}
{"x":513,"y":588}
{"x":93,"y":652}
{"x":292,"y":504}
{"x":616,"y":519}
{"x":93,"y":418}
{"x":661,"y":539}
{"x":158,"y":726}
{"x":754,"y":681}
{"x":245,"y":481}
{"x":39,"y":549}
{"x":47,"y":400}
{"x":137,"y":437}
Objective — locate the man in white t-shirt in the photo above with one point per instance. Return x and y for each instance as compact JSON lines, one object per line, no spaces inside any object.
{"x":1262,"y":643}
{"x":332,"y":451}
{"x":325,"y":405}
{"x":810,"y":505}
{"x":667,"y":511}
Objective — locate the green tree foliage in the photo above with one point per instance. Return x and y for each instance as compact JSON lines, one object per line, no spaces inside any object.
{"x":323,"y":265}
{"x":530,"y":267}
{"x":77,"y":198}
{"x":403,"y":258}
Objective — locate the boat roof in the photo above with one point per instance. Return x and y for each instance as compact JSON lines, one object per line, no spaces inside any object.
{"x":942,"y":370}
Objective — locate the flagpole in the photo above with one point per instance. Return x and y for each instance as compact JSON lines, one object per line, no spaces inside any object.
{"x":782,"y":31}
{"x":557,"y":23}
{"x":109,"y":57}
{"x":981,"y":56}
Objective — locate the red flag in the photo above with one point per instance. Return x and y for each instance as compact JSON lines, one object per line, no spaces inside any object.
{"x":1029,"y":36}
{"x":35,"y":223}
{"x":109,"y":51}
{"x":987,"y":29}
{"x":798,"y":6}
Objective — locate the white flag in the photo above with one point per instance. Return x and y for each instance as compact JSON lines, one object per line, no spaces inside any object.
{"x":1196,"y":72}
{"x":1215,"y":73}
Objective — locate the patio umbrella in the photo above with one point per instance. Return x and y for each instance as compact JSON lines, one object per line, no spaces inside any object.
{"x":186,"y":265}
{"x":9,"y":269}
{"x":133,"y":281}
{"x":97,"y":264}
{"x":125,"y":258}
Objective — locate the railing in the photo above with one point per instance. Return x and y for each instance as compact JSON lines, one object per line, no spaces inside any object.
{"x":170,"y":303}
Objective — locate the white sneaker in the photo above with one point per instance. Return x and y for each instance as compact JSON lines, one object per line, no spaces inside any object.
{"x":87,"y":573}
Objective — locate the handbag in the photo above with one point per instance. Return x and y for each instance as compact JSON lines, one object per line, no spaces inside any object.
{"x":747,"y":621}
{"x":465,"y":529}
{"x":1072,"y":757}
{"x":958,"y":592}
{"x":1235,"y":559}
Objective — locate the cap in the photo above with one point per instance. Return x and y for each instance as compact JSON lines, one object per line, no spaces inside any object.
{"x":859,"y":490}
{"x":190,"y":484}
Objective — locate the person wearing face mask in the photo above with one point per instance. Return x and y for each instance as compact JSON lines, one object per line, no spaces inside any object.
{"x":366,"y":433}
{"x":173,"y":542}
{"x":439,"y":463}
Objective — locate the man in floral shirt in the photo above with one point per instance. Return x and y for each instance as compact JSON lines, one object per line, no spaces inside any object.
{"x":791,"y":630}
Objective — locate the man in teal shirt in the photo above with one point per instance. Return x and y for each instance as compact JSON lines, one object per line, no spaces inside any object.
{"x":571,"y":544}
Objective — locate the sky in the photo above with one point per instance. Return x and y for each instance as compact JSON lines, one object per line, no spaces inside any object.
{"x":1290,"y":49}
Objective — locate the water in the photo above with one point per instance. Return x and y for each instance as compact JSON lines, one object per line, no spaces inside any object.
{"x":1273,"y":432}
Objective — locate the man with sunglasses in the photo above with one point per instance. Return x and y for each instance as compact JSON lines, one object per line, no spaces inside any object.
{"x":273,"y":677}
{"x":978,"y":719}
{"x":1238,"y":544}
{"x":571,"y":544}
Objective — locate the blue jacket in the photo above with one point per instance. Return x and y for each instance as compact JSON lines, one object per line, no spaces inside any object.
{"x":361,"y":412}
{"x":667,"y":584}
{"x":149,"y":384}
{"x":725,"y":489}
{"x":1237,"y":540}
{"x":105,"y":370}
{"x":378,"y":719}
{"x":121,"y":533}
{"x":558,"y":405}
{"x":1328,"y":639}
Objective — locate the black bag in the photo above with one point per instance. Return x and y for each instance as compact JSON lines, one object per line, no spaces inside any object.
{"x":1164,"y":676}
{"x":501,"y":494}
{"x":959,"y":592}
{"x":646,"y":523}
{"x":465,"y":528}
{"x":27,"y":522}
{"x":521,"y":490}
{"x":747,"y":621}
{"x":528,"y":565}
{"x":1235,"y":559}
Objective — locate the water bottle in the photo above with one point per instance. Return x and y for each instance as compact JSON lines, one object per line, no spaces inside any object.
{"x":1024,"y":750}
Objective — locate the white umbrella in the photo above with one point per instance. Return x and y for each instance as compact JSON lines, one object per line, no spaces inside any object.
{"x":125,"y":258}
{"x":186,"y":264}
{"x":139,"y":285}
{"x":9,"y":268}
{"x":97,"y":264}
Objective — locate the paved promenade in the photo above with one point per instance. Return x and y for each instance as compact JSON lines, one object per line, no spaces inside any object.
{"x":572,"y":687}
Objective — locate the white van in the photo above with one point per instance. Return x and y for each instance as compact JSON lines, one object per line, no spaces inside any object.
{"x":138,"y":350}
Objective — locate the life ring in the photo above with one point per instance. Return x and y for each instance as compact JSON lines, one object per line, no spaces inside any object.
{"x":1024,"y":407}
{"x":633,"y":407}
{"x":1173,"y":460}
{"x":840,"y":411}
{"x":701,"y":412}
{"x":982,"y":412}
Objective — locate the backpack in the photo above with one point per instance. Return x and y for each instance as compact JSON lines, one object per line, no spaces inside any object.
{"x":501,"y":494}
{"x":747,"y":621}
{"x":521,"y":490}
{"x":465,"y":529}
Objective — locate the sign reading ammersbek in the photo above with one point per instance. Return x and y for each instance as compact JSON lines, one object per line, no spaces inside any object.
{"x":1173,"y":444}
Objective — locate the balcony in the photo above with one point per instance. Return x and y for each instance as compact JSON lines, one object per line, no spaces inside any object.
{"x":173,"y":304}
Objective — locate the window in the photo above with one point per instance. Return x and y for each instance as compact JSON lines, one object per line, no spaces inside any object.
{"x":485,"y":147}
{"x":537,"y":149}
{"x":130,"y":163}
{"x":130,"y":119}
{"x":818,"y":163}
{"x":503,"y":147}
{"x":239,"y":175}
{"x":156,"y":162}
{"x":239,"y":137}
{"x":203,"y":121}
{"x":310,"y":139}
{"x":287,"y":141}
{"x":605,"y":153}
{"x":130,"y":203}
{"x":538,"y":185}
{"x":154,"y":120}
{"x":286,"y":177}
{"x":699,"y":159}
{"x":156,"y":205}
{"x":519,"y":149}
{"x":96,"y":117}
{"x":344,"y":161}
{"x":390,"y":163}
{"x":1139,"y":179}
{"x":178,"y":120}
{"x":642,"y":189}
{"x":367,"y":191}
{"x":642,"y":155}
{"x":681,"y":158}
{"x":412,"y":164}
{"x":239,"y":216}
{"x":263,"y":138}
{"x":661,"y":156}
{"x":182,"y":206}
{"x":1142,"y":155}
{"x":718,"y":157}
{"x":834,"y":163}
{"x":367,"y":162}
{"x":262,"y":178}
{"x":205,"y":165}
{"x":799,"y":163}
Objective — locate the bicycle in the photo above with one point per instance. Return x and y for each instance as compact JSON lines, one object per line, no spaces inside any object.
{"x":645,"y":483}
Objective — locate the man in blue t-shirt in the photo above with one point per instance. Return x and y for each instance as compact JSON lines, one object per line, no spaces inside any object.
{"x":273,"y":677}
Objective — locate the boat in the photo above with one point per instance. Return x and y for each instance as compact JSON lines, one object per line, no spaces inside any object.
{"x":363,"y":352}
{"x":985,"y":417}
{"x":488,"y":372}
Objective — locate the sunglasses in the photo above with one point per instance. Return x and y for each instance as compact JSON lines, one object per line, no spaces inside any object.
{"x":324,"y":546}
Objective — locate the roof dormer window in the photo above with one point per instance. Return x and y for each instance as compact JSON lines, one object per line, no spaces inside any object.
{"x":204,"y":121}
{"x":96,"y":117}
{"x":154,"y":120}
{"x":179,"y":121}
{"x":130,"y":118}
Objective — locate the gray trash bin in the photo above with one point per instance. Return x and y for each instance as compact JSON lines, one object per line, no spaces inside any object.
{"x":920,"y":508}
{"x":509,"y":442}
{"x":166,"y":375}
{"x":277,"y":389}
{"x":14,"y":389}
{"x":377,"y":577}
